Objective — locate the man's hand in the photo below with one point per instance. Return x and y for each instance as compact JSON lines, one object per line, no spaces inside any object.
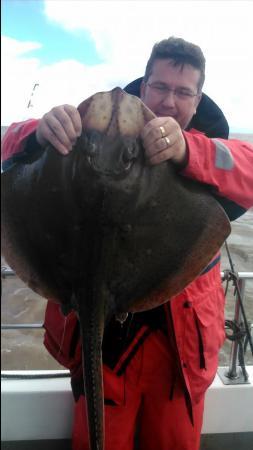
{"x":163,"y":139}
{"x":60,"y":127}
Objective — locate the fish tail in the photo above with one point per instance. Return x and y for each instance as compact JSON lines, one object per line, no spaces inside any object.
{"x":92,"y":328}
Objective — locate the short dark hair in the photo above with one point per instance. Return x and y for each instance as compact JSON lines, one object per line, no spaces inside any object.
{"x":180,"y":52}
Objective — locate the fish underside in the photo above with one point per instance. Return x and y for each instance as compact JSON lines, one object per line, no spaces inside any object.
{"x":102,"y":232}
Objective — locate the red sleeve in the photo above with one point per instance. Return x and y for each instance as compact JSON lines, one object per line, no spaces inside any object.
{"x":227,"y":165}
{"x":15,"y":137}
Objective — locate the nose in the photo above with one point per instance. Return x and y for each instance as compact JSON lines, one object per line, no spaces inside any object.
{"x":169,"y":100}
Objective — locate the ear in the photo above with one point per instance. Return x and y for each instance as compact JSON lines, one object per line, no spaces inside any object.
{"x":198,"y":98}
{"x":142,"y":90}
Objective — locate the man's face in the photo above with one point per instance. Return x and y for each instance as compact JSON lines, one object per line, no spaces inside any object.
{"x":172,"y":91}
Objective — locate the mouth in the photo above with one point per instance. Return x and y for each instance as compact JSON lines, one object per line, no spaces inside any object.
{"x":122,"y":168}
{"x":167,"y":115}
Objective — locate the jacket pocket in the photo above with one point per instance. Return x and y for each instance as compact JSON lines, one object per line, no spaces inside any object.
{"x":210,"y":322}
{"x":114,"y":387}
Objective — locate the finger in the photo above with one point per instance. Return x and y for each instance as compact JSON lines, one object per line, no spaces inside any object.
{"x":68,"y":121}
{"x":46,"y":135}
{"x":153,"y":128}
{"x":75,"y":118}
{"x":153,"y":141}
{"x":56,"y":129}
{"x":160,"y":157}
{"x":161,"y":144}
{"x":52,"y":139}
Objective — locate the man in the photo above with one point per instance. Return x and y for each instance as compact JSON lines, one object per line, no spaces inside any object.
{"x":158,"y":365}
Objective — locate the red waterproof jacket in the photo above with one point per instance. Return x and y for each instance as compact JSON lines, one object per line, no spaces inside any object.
{"x":195,"y":317}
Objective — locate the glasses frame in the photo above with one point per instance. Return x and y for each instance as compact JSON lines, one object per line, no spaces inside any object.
{"x":164,"y":90}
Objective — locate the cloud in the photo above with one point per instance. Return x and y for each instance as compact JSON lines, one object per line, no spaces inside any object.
{"x":12,"y":47}
{"x":71,"y":82}
{"x":19,"y":72}
{"x":62,"y":82}
{"x":127,"y":29}
{"x":124,"y":33}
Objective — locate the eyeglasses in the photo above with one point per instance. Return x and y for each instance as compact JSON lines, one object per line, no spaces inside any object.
{"x":180,"y":93}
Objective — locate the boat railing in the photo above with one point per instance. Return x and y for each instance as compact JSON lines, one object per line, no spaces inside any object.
{"x":236,"y":373}
{"x":233,"y":374}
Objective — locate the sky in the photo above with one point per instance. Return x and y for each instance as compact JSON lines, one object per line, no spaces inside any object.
{"x":62,"y":51}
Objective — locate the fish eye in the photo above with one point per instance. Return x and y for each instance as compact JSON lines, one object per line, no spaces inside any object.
{"x":92,"y":147}
{"x":130,"y":151}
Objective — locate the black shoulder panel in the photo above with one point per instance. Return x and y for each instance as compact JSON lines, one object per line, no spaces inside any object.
{"x":210,"y":120}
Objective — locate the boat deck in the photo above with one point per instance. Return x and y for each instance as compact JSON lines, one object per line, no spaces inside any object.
{"x":231,"y":441}
{"x":227,"y":424}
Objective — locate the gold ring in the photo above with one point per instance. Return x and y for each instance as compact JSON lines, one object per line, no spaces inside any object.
{"x":167,"y":140}
{"x":162,"y":131}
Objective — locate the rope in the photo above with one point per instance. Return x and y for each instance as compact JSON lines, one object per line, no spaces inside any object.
{"x":238,"y":335}
{"x":241,"y":332}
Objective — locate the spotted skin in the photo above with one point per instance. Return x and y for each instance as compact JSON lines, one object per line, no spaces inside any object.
{"x":102,"y":232}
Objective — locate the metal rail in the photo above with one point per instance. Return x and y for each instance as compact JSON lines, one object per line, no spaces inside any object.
{"x":6,"y":272}
{"x":19,"y":326}
{"x":230,"y":375}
